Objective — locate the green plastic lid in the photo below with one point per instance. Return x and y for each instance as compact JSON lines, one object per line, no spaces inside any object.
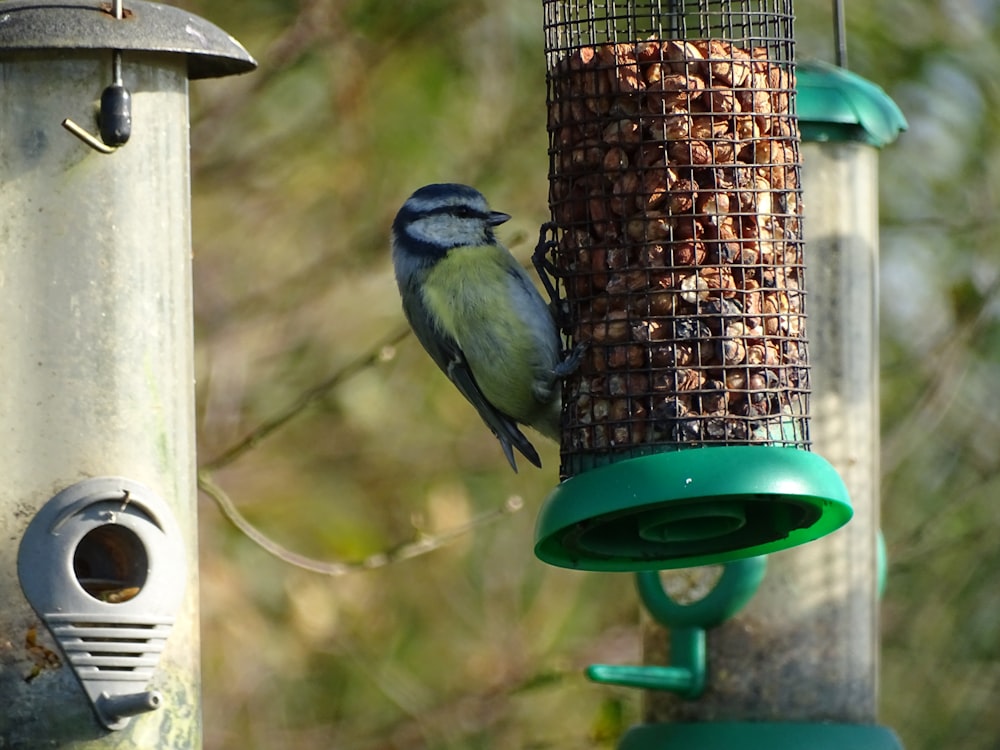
{"x":697,"y":506}
{"x":834,"y":104}
{"x":759,"y":736}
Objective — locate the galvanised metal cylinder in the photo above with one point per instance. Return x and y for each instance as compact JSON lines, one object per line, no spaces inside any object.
{"x":96,"y":320}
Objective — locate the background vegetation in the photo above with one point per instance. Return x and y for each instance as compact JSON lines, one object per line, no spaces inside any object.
{"x":298,"y":170}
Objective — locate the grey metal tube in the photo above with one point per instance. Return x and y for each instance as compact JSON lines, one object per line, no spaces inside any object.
{"x":97,"y":373}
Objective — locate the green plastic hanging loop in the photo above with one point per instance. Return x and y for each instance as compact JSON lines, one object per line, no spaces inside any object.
{"x":736,"y":586}
{"x":687,"y":624}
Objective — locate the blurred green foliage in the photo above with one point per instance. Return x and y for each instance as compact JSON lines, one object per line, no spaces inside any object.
{"x":298,"y":170}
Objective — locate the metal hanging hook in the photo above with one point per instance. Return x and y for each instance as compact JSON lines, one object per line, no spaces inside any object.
{"x":92,"y":141}
{"x":840,"y":33}
{"x":114,"y":118}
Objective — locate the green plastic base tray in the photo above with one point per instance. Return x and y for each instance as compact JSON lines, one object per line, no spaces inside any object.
{"x":697,"y":506}
{"x":753,"y":736}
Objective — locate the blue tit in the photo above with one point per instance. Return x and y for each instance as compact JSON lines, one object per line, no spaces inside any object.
{"x":476,"y":312}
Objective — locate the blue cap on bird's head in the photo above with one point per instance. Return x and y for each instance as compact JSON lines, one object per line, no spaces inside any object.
{"x":451,"y":191}
{"x":453,"y":197}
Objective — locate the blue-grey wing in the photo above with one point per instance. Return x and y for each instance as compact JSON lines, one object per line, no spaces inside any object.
{"x":446,"y":353}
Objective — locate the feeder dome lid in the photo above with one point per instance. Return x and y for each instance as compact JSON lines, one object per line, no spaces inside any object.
{"x":149,"y":27}
{"x":690,"y":507}
{"x":834,"y":104}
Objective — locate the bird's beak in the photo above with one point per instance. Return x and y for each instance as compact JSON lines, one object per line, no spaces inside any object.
{"x":497,"y":217}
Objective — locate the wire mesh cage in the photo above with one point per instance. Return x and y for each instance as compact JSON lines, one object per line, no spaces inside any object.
{"x":676,"y":237}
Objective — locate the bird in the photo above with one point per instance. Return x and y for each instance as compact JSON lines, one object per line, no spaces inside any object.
{"x":477,"y":313}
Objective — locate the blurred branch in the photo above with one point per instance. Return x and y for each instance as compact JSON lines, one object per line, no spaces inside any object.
{"x":316,"y":22}
{"x":941,"y":222}
{"x":482,"y":710}
{"x":289,"y":292}
{"x":950,"y":367}
{"x":306,"y":399}
{"x":944,"y":529}
{"x":420,"y":545}
{"x":915,"y":555}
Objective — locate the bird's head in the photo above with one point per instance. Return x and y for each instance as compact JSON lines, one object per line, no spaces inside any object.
{"x":437,"y":218}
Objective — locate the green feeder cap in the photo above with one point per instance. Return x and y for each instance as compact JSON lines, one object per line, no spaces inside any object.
{"x":834,"y":104}
{"x":759,"y":736}
{"x":697,"y":506}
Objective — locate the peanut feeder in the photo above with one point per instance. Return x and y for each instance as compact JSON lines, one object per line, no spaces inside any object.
{"x":677,"y":245}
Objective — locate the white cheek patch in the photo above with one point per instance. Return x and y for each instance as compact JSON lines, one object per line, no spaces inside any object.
{"x":448,"y":231}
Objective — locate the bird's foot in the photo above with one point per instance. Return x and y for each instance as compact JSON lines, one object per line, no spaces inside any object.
{"x":544,"y":267}
{"x":570,"y":364}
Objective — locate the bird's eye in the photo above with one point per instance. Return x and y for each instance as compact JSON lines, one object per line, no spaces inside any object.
{"x":464,"y":212}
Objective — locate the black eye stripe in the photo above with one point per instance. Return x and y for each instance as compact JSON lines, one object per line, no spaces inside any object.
{"x":464,"y":212}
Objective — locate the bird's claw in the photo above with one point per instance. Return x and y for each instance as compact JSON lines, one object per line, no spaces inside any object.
{"x":544,"y":267}
{"x":570,"y":364}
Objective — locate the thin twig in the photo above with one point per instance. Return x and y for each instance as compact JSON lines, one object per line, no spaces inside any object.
{"x":421,"y":545}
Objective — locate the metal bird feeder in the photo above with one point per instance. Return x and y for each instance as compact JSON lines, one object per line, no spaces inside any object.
{"x":676,"y":242}
{"x":99,"y":565}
